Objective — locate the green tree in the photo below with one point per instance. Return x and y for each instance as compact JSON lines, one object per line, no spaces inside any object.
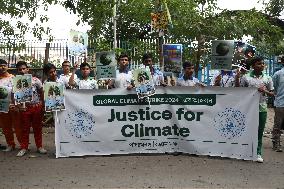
{"x":268,"y":42}
{"x":17,"y":10}
{"x":195,"y":23}
{"x":274,"y":7}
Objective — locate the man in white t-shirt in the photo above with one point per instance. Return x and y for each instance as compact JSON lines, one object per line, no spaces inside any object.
{"x":224,"y":78}
{"x":187,"y":78}
{"x":65,"y":76}
{"x":123,"y":74}
{"x":84,"y":82}
{"x":157,"y":75}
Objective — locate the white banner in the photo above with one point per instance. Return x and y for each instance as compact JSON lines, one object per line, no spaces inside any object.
{"x":204,"y":121}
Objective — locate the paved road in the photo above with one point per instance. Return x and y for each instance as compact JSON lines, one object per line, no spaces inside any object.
{"x":139,"y":171}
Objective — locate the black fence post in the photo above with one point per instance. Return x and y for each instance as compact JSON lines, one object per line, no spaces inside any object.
{"x":47,"y":46}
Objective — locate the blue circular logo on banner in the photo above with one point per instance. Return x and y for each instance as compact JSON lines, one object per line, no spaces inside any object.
{"x":230,"y":123}
{"x":80,"y":123}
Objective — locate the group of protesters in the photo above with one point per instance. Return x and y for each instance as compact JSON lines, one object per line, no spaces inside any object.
{"x":248,"y":74}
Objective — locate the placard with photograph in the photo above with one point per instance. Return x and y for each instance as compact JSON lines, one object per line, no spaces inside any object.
{"x":5,"y":97}
{"x":78,"y":43}
{"x":243,"y":52}
{"x":143,"y":82}
{"x":172,"y":58}
{"x":54,"y":99}
{"x":106,"y":65}
{"x":222,"y":54}
{"x":22,"y":88}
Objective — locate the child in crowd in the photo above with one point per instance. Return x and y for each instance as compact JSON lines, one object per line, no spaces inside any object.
{"x":65,"y":76}
{"x":50,"y":72}
{"x":85,"y":81}
{"x":32,"y":114}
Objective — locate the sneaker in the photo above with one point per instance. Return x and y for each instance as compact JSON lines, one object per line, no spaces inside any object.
{"x":2,"y":147}
{"x":41,"y":150}
{"x":278,"y":149}
{"x":8,"y":149}
{"x":259,"y":159}
{"x":21,"y":153}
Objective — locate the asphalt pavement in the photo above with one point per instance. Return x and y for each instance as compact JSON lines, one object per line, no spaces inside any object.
{"x":139,"y":171}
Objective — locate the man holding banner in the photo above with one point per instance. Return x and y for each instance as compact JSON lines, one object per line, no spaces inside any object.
{"x":157,"y":75}
{"x":265,"y":87}
{"x":124,"y":75}
{"x":187,"y":78}
{"x":224,"y":78}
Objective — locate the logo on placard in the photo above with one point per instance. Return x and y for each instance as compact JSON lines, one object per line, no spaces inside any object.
{"x":230,"y":123}
{"x":80,"y":123}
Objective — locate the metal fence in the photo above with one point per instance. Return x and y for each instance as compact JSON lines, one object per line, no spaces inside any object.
{"x":34,"y":50}
{"x":37,"y":52}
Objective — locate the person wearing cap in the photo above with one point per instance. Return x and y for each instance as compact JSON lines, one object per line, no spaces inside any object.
{"x":264,"y":83}
{"x":32,"y":114}
{"x":65,"y":76}
{"x":187,"y":78}
{"x":278,"y":83}
{"x":10,"y":119}
{"x":85,"y":81}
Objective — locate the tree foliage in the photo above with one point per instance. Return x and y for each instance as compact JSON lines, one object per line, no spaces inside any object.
{"x":20,"y":10}
{"x":193,"y":20}
{"x":274,"y":7}
{"x":195,"y":23}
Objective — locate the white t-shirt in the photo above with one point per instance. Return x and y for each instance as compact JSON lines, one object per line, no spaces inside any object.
{"x":227,"y":80}
{"x":89,"y":83}
{"x":123,"y":80}
{"x":189,"y":82}
{"x":65,"y":79}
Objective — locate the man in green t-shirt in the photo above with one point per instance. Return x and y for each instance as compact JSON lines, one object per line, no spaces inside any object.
{"x":264,"y":83}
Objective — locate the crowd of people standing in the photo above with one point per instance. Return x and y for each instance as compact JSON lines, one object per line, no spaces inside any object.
{"x":20,"y":118}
